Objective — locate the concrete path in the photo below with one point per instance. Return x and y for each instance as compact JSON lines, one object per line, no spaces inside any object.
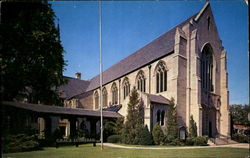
{"x":240,"y":145}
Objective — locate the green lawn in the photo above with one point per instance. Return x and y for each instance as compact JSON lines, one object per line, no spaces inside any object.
{"x":88,"y":151}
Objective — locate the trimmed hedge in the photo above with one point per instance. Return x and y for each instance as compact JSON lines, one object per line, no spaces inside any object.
{"x":114,"y":139}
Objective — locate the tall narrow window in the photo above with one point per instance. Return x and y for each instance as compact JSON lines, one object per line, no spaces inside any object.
{"x":114,"y":91}
{"x":161,"y":77}
{"x":141,"y":81}
{"x":96,"y":96}
{"x":208,"y":23}
{"x":126,"y":88}
{"x":104,"y":97}
{"x":157,"y":82}
{"x":162,"y":118}
{"x":207,"y":68}
{"x":165,"y":79}
{"x":158,"y":117}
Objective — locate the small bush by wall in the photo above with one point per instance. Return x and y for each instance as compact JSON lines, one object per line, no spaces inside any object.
{"x":114,"y":139}
{"x":158,"y":135}
{"x":145,"y":137}
{"x":241,"y":138}
{"x":200,"y":140}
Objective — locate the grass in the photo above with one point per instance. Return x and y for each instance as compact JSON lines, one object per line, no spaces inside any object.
{"x":88,"y":151}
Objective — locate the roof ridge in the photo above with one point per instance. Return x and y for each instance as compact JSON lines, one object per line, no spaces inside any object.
{"x":157,"y":38}
{"x":76,"y":78}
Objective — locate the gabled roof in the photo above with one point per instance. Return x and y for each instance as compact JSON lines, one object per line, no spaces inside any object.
{"x":161,"y":46}
{"x":72,"y":87}
{"x":157,"y":99}
{"x":56,"y":110}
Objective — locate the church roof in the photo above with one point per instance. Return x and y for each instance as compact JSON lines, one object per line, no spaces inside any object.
{"x":158,"y":48}
{"x":158,"y":99}
{"x":73,"y":87}
{"x":56,"y":110}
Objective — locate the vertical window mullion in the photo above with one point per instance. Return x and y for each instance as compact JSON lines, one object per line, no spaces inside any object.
{"x":165,"y":80}
{"x":124,"y":95}
{"x":141,"y":84}
{"x":157,"y":82}
{"x":144,"y":81}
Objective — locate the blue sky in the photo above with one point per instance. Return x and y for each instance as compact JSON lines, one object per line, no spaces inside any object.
{"x":127,"y":26}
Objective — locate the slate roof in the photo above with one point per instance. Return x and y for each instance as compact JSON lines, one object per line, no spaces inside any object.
{"x":56,"y":110}
{"x":161,"y":46}
{"x":72,"y":87}
{"x":158,"y":99}
{"x":114,"y":108}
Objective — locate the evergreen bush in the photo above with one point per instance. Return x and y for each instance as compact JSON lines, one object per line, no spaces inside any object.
{"x":172,"y":129}
{"x":134,"y":122}
{"x":158,"y":135}
{"x":192,"y":128}
{"x":189,"y":141}
{"x":145,"y":137}
{"x":241,"y":138}
{"x":200,"y":140}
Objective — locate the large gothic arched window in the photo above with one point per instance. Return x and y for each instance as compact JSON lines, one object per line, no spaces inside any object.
{"x":126,"y":88}
{"x":161,"y":77}
{"x":104,"y":97}
{"x":96,"y":97}
{"x":207,"y":68}
{"x":141,"y":81}
{"x":114,"y":91}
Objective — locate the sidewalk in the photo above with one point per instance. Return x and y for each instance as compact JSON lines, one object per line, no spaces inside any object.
{"x":240,"y":145}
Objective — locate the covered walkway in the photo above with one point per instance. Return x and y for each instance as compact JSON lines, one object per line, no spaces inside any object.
{"x":19,"y":115}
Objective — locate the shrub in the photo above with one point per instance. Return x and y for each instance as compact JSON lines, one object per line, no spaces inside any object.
{"x":158,"y":135}
{"x":172,"y":128}
{"x":189,"y":141}
{"x":134,"y":119}
{"x":114,"y":139}
{"x":200,"y":140}
{"x":176,"y":142}
{"x":20,"y":142}
{"x":192,"y":127}
{"x":145,"y":137}
{"x":241,"y":138}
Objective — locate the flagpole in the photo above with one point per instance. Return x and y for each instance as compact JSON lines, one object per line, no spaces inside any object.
{"x":100,"y":43}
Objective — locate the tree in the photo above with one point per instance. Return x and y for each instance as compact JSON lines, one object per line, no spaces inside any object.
{"x":134,"y":121}
{"x":239,"y":114}
{"x":158,"y":135}
{"x":172,"y":129}
{"x":32,"y":55}
{"x":119,"y":126}
{"x":192,"y":128}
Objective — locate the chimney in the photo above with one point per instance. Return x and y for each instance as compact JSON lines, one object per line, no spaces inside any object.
{"x":78,"y":75}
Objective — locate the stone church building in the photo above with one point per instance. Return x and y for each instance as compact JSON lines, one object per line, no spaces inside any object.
{"x":187,"y":63}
